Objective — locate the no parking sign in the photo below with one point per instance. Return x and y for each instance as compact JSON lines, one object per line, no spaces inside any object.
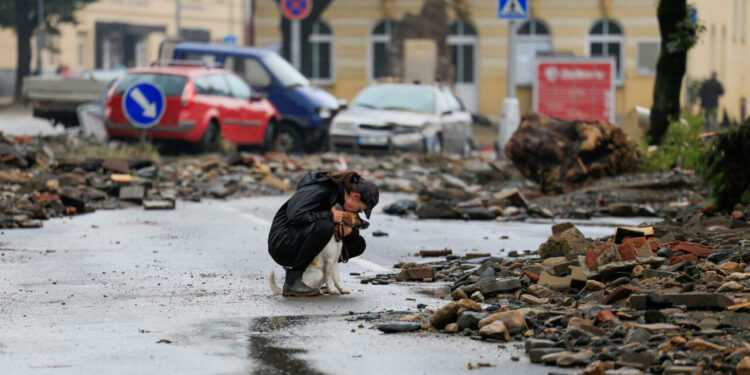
{"x":296,"y":10}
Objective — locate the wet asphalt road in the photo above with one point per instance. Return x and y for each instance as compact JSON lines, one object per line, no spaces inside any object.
{"x":97,"y":293}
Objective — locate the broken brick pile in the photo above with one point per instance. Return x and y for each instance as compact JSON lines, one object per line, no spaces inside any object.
{"x":43,"y":177}
{"x":673,"y":298}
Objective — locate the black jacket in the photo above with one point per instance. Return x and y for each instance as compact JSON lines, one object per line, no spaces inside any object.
{"x":710,"y":92}
{"x":316,"y":195}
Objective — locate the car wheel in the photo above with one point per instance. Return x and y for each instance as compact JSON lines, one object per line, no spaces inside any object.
{"x":207,"y":142}
{"x":268,"y":136}
{"x":287,"y":139}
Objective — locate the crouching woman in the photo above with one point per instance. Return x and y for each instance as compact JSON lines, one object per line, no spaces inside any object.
{"x":306,"y":222}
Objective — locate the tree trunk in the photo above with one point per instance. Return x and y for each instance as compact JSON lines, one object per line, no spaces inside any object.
{"x":669,"y":71}
{"x":24,"y":29}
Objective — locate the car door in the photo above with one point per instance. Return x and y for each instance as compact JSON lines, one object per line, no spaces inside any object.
{"x":229,"y":108}
{"x":460,"y":118}
{"x":449,"y":122}
{"x":248,"y":127}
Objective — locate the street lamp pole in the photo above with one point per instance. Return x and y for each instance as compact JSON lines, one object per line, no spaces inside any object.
{"x":40,"y":36}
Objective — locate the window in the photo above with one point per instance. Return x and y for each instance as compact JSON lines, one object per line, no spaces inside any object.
{"x":283,"y":71}
{"x":171,"y":85}
{"x":648,"y":55}
{"x":213,"y":84}
{"x":318,"y":65}
{"x":399,"y":97}
{"x":206,"y":58}
{"x":250,"y":69}
{"x":533,"y":37}
{"x":238,"y":87}
{"x":606,"y":39}
{"x":735,"y":19}
{"x":451,"y":100}
{"x":380,"y":49}
{"x":462,"y":38}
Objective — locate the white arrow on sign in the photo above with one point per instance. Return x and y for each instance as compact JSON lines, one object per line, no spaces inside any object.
{"x":149,"y":109}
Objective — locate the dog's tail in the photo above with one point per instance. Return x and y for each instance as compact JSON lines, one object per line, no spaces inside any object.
{"x":272,"y":283}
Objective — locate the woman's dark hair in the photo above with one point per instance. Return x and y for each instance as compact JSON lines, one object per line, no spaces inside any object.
{"x":348,"y":179}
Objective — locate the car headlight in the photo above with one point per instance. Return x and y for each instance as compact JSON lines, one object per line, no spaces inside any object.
{"x":324,"y":112}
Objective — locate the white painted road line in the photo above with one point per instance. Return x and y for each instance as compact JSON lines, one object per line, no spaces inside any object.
{"x":364,"y":263}
{"x":370,"y":266}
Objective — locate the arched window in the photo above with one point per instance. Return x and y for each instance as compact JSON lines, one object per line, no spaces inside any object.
{"x":607,"y":39}
{"x":533,"y":38}
{"x":319,"y":65}
{"x":380,"y":41}
{"x":462,"y":39}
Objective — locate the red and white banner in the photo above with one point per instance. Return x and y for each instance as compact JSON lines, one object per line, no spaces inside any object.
{"x":575,"y":88}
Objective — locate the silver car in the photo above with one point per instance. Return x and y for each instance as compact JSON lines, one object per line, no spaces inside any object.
{"x":399,"y":116}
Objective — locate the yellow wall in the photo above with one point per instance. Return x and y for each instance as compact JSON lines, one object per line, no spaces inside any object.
{"x":725,"y":49}
{"x":211,"y":15}
{"x":569,"y":22}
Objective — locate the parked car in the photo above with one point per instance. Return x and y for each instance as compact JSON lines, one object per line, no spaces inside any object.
{"x":400,"y":116}
{"x":305,"y":110}
{"x":201,"y":103}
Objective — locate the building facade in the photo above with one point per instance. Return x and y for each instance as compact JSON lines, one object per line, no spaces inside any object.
{"x":353,"y":35}
{"x":124,"y":33}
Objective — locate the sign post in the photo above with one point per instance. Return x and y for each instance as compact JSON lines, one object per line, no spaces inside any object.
{"x":295,"y":11}
{"x":511,"y":10}
{"x":143,"y":105}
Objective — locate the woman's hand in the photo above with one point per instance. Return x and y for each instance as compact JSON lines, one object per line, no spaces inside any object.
{"x":338,"y":216}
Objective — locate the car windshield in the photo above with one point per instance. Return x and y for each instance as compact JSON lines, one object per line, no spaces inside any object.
{"x":397,"y":97}
{"x":171,"y":85}
{"x":284,"y":72}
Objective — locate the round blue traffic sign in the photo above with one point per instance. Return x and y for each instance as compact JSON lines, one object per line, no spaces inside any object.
{"x":143,"y":104}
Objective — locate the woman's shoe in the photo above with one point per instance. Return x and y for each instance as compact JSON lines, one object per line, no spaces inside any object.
{"x":294,"y":287}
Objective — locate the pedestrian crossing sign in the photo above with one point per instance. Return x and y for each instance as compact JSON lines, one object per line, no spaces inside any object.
{"x":513,"y":9}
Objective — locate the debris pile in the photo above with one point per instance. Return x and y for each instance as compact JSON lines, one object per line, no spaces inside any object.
{"x":563,"y":155}
{"x":671,"y":298}
{"x":45,"y":177}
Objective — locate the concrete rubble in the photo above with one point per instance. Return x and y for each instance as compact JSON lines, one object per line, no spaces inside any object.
{"x":43,"y":177}
{"x":671,"y":297}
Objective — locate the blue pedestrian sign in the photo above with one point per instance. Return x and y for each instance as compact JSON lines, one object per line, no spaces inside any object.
{"x":513,"y":9}
{"x":143,"y":104}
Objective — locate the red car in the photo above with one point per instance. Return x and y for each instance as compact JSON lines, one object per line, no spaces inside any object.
{"x":200,"y":104}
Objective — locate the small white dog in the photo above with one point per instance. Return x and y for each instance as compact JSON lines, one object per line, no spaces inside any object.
{"x":324,"y":269}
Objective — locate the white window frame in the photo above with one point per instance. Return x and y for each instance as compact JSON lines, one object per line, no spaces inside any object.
{"x":532,"y":38}
{"x":81,"y":37}
{"x":378,"y":38}
{"x":314,"y":39}
{"x":461,"y":40}
{"x":638,"y":56}
{"x":609,"y":38}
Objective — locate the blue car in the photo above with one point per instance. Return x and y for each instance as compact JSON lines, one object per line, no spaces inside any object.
{"x":306,"y":111}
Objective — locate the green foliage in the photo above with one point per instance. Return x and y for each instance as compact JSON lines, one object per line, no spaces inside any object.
{"x":680,"y":147}
{"x":693,"y":93}
{"x":686,"y":34}
{"x":725,"y":168}
{"x":55,"y":13}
